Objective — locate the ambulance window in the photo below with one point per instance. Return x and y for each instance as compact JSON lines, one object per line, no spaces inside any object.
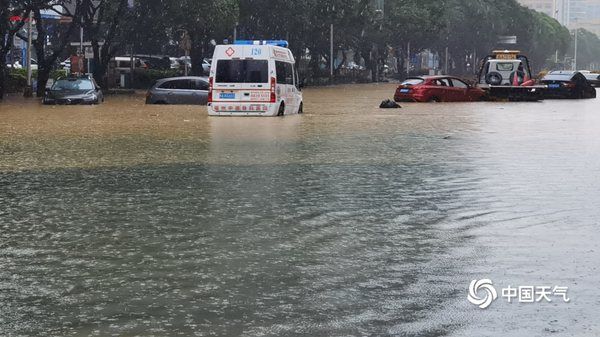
{"x":281,"y":72}
{"x":285,"y":73}
{"x":289,"y":74}
{"x":242,"y":71}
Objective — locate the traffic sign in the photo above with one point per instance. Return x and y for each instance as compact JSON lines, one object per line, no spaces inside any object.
{"x":89,"y":53}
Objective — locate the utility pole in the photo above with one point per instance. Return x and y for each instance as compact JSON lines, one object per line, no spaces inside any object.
{"x":446,"y":63}
{"x":408,"y":59}
{"x":331,"y":52}
{"x":29,"y":90}
{"x":81,"y":51}
{"x":186,"y":44}
{"x":575,"y":55}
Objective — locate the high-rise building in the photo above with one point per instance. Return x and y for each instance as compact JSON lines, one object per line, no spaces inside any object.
{"x":570,"y":13}
{"x":558,"y":9}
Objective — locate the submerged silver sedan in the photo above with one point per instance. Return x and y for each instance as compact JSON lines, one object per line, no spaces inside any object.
{"x":179,"y":90}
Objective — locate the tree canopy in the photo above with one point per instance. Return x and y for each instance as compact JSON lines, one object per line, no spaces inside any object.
{"x":372,"y":29}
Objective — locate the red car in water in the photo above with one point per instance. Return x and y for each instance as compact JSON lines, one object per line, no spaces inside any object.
{"x":437,"y":89}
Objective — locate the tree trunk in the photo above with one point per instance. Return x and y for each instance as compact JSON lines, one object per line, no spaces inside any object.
{"x":196,"y":55}
{"x":3,"y":77}
{"x":314,"y":64}
{"x":103,"y":54}
{"x":42,"y":76}
{"x":45,"y":63}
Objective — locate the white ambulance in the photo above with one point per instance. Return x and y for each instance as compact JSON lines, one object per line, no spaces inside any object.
{"x":254,"y":78}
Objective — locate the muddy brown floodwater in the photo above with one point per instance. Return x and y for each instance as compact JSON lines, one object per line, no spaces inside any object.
{"x":132,"y":220}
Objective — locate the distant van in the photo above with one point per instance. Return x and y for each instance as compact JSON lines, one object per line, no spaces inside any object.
{"x":254,"y":78}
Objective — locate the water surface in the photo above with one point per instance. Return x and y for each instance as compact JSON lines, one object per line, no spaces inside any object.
{"x":133,"y":220}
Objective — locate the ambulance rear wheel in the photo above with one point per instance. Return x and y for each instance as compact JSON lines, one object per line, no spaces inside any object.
{"x":281,"y":111}
{"x":301,"y":109}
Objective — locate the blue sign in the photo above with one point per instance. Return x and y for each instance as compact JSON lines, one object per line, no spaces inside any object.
{"x":227,"y":95}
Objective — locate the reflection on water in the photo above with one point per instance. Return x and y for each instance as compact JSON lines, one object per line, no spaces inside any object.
{"x":130,"y":220}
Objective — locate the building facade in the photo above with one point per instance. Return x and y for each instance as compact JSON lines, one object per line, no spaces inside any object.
{"x":570,"y":13}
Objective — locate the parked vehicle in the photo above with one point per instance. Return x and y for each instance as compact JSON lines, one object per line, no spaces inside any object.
{"x":179,"y":90}
{"x":185,"y":60}
{"x":592,"y":78}
{"x":66,"y":64}
{"x":567,"y":84}
{"x":254,"y":78}
{"x":74,"y":90}
{"x":123,"y":64}
{"x":175,"y":65}
{"x":157,"y":62}
{"x":506,"y":74}
{"x":437,"y":89}
{"x":18,"y":65}
{"x":206,"y":63}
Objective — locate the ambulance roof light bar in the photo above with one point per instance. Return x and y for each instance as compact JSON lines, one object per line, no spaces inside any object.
{"x":279,"y":43}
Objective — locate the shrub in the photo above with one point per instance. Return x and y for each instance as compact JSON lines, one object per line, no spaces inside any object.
{"x":17,"y":81}
{"x":145,"y":79}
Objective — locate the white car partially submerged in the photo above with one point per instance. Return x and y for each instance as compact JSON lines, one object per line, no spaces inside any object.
{"x":254,"y":78}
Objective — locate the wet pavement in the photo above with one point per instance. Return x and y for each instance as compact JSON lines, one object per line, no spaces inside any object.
{"x":133,"y":220}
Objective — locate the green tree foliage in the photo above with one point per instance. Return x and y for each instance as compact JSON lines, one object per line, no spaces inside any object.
{"x":8,"y":28}
{"x":468,"y":29}
{"x":203,"y":20}
{"x":588,"y":49}
{"x":548,"y":38}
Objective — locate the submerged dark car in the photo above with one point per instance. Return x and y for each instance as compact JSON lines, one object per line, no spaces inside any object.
{"x":592,"y":78}
{"x":567,"y":84}
{"x":74,"y":90}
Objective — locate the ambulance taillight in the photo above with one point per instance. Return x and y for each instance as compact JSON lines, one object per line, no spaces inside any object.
{"x":273,"y":86}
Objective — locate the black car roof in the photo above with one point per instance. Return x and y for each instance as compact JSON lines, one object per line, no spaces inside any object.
{"x":562,"y":75}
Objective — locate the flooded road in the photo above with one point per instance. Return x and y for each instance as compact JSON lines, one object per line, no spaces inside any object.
{"x":128,"y":220}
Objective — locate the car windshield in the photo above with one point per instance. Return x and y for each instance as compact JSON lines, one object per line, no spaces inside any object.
{"x":73,"y":84}
{"x":413,"y":81}
{"x":242,"y":71}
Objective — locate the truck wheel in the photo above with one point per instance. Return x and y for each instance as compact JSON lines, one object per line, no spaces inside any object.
{"x":493,"y":78}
